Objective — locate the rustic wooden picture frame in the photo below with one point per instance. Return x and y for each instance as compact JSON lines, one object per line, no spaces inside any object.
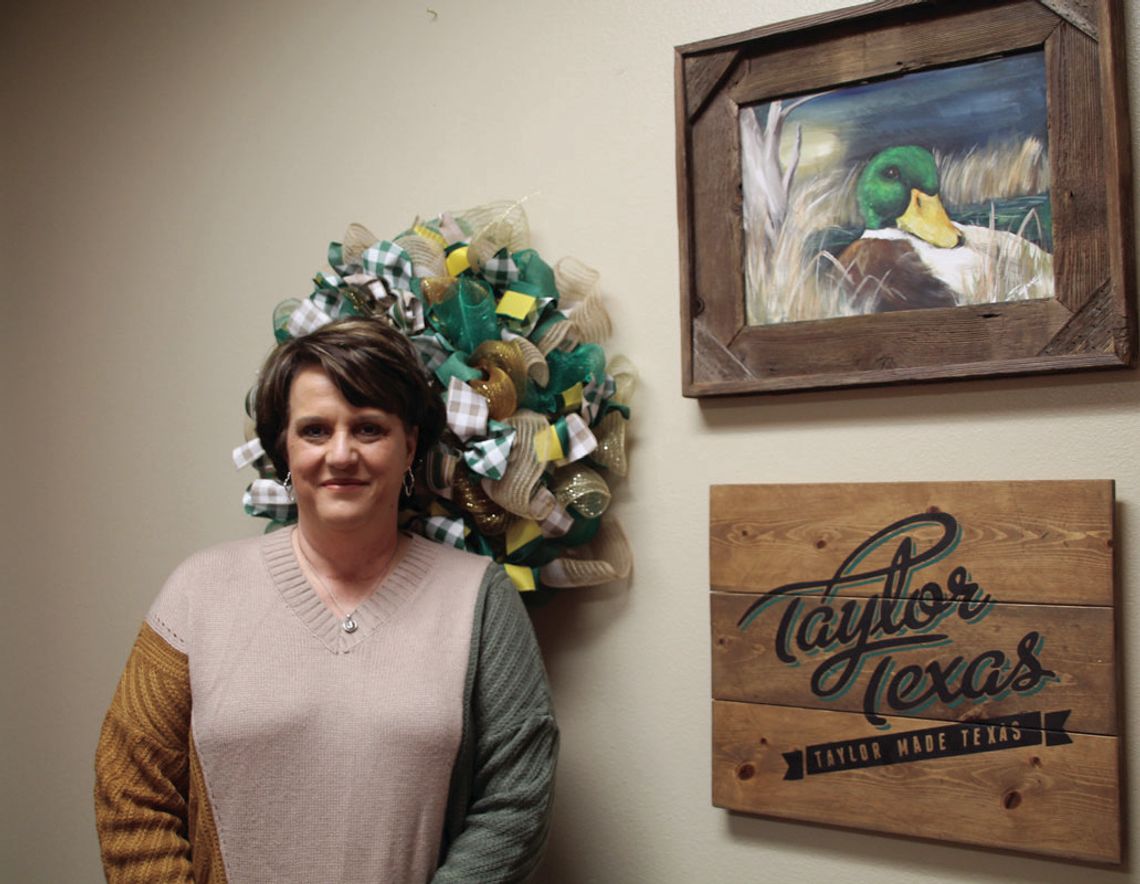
{"x":1091,"y":321}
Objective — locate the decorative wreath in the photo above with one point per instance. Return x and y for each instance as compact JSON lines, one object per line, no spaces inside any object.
{"x":536,"y":414}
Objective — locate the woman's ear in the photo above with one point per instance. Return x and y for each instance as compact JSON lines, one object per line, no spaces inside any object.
{"x":411,"y":437}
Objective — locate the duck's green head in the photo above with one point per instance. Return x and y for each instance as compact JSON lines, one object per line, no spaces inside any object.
{"x":899,"y":188}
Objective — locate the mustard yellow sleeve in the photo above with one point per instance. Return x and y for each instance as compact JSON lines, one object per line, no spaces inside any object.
{"x":142,"y":768}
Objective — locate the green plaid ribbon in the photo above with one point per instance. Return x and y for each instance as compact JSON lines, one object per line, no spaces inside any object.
{"x":500,"y":270}
{"x":446,"y":529}
{"x":433,"y":349}
{"x":389,"y":262}
{"x":325,"y":280}
{"x":488,"y":457}
{"x":595,"y":394}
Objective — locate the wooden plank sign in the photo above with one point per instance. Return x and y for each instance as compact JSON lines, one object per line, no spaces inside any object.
{"x":927,"y":659}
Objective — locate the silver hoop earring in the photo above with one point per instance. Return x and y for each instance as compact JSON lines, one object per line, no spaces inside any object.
{"x":409,"y":483}
{"x":288,"y":484}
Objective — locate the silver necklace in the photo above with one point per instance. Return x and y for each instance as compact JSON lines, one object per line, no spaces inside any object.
{"x":348,"y":621}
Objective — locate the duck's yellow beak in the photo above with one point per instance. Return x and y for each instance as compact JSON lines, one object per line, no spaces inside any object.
{"x":926,"y":218}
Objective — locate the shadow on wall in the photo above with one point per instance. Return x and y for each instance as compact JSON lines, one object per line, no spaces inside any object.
{"x":874,"y":857}
{"x":1007,"y":397}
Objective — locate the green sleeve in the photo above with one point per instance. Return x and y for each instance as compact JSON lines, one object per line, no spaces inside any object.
{"x":502,"y":789}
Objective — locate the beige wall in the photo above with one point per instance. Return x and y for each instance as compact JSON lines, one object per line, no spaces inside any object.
{"x":172,"y":170}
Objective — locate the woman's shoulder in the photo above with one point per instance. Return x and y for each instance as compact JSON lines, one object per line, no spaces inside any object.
{"x":445,"y":556}
{"x":222,"y":558}
{"x":204,"y":577}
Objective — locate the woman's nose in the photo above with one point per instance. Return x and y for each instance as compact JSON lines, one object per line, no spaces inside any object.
{"x":342,"y":450}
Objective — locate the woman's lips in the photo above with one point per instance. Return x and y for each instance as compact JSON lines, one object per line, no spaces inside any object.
{"x":343,"y":483}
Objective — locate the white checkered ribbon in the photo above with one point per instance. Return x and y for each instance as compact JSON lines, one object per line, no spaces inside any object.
{"x":246,"y":454}
{"x":579,"y":440}
{"x":500,"y":270}
{"x":467,"y":411}
{"x":445,"y":529}
{"x":391,"y":263}
{"x":488,"y":457}
{"x":407,"y":312}
{"x":433,"y":349}
{"x":307,"y":318}
{"x":369,"y":285}
{"x":558,"y":520}
{"x":268,"y":497}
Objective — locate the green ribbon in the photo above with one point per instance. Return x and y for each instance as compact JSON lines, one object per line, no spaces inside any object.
{"x":584,"y":362}
{"x":456,"y":366}
{"x":582,"y":531}
{"x":535,"y":274}
{"x":467,"y":318}
{"x":542,"y":550}
{"x":535,"y":554}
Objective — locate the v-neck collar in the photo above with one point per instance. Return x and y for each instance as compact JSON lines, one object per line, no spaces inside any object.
{"x":394,"y":591}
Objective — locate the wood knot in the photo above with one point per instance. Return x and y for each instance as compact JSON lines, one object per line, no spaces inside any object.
{"x":745,"y":772}
{"x":933,"y":509}
{"x":1011,"y":799}
{"x":820,"y":544}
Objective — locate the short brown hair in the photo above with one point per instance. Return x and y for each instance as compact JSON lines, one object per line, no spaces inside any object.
{"x":372,"y":364}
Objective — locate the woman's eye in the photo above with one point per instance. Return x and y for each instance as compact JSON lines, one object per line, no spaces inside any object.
{"x":312,"y":432}
{"x":371,"y":431}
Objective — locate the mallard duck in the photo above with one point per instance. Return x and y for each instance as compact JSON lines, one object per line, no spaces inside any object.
{"x":911,"y":255}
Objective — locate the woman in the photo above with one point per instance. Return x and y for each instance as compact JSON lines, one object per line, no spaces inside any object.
{"x":338,"y":701}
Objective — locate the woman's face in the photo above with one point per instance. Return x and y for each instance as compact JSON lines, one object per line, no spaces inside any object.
{"x":348,"y":463}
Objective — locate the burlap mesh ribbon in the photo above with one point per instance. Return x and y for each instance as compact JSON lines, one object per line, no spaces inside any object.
{"x":607,"y":557}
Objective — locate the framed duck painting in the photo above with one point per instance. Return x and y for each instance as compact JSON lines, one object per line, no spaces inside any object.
{"x":905,"y":191}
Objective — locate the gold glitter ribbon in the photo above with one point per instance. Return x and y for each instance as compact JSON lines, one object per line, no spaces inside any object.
{"x":580,"y":488}
{"x":489,"y":518}
{"x":507,"y":356}
{"x":497,"y":389}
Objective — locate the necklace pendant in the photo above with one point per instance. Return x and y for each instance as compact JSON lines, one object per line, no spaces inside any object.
{"x":349,"y":624}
